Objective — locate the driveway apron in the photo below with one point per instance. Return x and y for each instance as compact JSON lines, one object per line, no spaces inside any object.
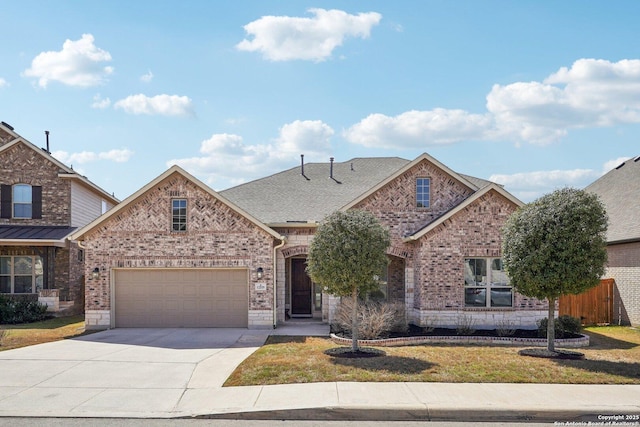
{"x":120,"y":372}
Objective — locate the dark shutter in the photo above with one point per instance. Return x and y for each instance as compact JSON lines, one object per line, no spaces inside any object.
{"x":5,"y":201}
{"x":36,"y":202}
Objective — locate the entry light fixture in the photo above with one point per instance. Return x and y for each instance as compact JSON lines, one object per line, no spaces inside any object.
{"x":95,"y":274}
{"x":259,"y":272}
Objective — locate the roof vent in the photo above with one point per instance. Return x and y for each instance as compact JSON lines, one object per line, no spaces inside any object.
{"x":302,"y":167}
{"x":7,"y":125}
{"x":46,"y":132}
{"x":620,"y":165}
{"x":636,"y":159}
{"x":331,"y":171}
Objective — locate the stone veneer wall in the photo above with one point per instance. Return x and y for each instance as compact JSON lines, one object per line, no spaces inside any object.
{"x":140,"y":236}
{"x":624,"y":268}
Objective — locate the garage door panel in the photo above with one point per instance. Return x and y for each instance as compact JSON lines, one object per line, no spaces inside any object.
{"x":181,"y":298}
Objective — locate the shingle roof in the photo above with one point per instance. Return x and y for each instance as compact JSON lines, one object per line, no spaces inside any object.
{"x":290,"y":197}
{"x":34,"y":232}
{"x":619,"y":190}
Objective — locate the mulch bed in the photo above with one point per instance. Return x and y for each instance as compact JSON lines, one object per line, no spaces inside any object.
{"x":417,"y":331}
{"x":346,"y":352}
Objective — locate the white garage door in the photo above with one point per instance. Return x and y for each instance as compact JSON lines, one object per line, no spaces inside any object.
{"x":176,"y":298}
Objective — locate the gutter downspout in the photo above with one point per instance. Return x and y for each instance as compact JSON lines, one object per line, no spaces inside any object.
{"x":283,"y":240}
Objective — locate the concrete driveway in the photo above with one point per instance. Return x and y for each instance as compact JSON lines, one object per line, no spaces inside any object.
{"x":121,"y":372}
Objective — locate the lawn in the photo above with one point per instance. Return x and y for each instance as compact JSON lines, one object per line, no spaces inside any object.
{"x":15,"y":336}
{"x":612,"y":358}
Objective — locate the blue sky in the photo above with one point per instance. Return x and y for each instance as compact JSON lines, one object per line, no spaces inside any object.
{"x":535,"y":95}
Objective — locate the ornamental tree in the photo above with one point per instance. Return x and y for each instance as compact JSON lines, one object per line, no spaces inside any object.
{"x":346,"y":256}
{"x":556,"y":246}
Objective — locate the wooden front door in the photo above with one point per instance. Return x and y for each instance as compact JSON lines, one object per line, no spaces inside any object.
{"x":301,"y":289}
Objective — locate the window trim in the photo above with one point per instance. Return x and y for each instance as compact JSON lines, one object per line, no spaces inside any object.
{"x":15,"y":203}
{"x":178,"y":221}
{"x":488,"y":284}
{"x":419,"y":203}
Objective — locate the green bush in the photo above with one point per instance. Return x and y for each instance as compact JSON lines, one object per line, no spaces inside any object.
{"x":564,"y":325}
{"x":21,"y":310}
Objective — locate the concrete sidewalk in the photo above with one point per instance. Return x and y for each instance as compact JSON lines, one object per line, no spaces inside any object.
{"x":158,"y":373}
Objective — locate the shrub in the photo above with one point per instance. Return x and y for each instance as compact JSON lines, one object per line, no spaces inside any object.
{"x":465,"y":325}
{"x":564,"y":325}
{"x":21,"y":310}
{"x":505,"y":328}
{"x":376,"y":319}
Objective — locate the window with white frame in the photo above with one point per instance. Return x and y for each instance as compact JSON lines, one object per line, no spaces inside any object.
{"x":22,"y":201}
{"x":486,"y":284}
{"x":179,"y":215}
{"x":422,"y":192}
{"x":21,"y":274}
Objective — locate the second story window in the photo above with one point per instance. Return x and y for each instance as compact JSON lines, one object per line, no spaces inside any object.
{"x":22,"y":201}
{"x":179,"y":215}
{"x":423,"y":192}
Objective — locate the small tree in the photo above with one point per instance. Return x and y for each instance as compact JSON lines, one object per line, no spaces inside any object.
{"x":347,"y":254}
{"x":555,"y":246}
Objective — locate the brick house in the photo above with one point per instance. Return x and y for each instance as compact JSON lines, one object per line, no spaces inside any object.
{"x":42,"y":202}
{"x":177,"y":253}
{"x":619,"y":190}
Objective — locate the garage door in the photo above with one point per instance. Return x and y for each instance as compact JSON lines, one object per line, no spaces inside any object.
{"x":190,"y":298}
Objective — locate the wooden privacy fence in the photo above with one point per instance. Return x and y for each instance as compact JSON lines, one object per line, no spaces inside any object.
{"x":593,"y":307}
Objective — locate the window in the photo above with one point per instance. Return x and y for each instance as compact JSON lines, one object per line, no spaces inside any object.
{"x":103,"y":207}
{"x":20,"y":274}
{"x":22,"y":198}
{"x":422,"y":192}
{"x":21,"y":201}
{"x":179,"y":215}
{"x":486,"y":284}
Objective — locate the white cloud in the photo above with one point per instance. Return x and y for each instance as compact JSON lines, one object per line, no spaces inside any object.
{"x":226,"y":157}
{"x":146,"y":78}
{"x":528,"y":186}
{"x":164,"y":105}
{"x":418,"y":128}
{"x":284,"y":38}
{"x":591,"y":93}
{"x":79,"y":63}
{"x":99,"y":103}
{"x":118,"y":156}
{"x":3,"y":83}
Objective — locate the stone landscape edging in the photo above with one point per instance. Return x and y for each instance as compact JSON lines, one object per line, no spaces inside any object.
{"x":582,"y":341}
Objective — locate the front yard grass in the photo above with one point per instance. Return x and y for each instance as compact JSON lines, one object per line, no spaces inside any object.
{"x":22,"y":335}
{"x":613,"y":357}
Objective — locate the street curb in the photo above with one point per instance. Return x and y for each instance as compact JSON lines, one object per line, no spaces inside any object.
{"x":420,"y":414}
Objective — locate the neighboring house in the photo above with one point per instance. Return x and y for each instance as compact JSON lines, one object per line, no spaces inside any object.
{"x":42,"y":203}
{"x":176,"y":253}
{"x":619,"y":190}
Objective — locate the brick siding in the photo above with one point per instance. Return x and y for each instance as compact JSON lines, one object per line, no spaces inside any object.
{"x":140,"y":236}
{"x":22,"y":165}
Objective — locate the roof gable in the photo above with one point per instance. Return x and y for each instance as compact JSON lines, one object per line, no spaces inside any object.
{"x":65,"y":172}
{"x":619,"y":190}
{"x":174,"y":170}
{"x":467,"y":202}
{"x":403,"y":170}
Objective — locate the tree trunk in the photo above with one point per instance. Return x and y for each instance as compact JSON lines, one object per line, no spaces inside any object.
{"x":551,"y":329}
{"x":354,"y":321}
